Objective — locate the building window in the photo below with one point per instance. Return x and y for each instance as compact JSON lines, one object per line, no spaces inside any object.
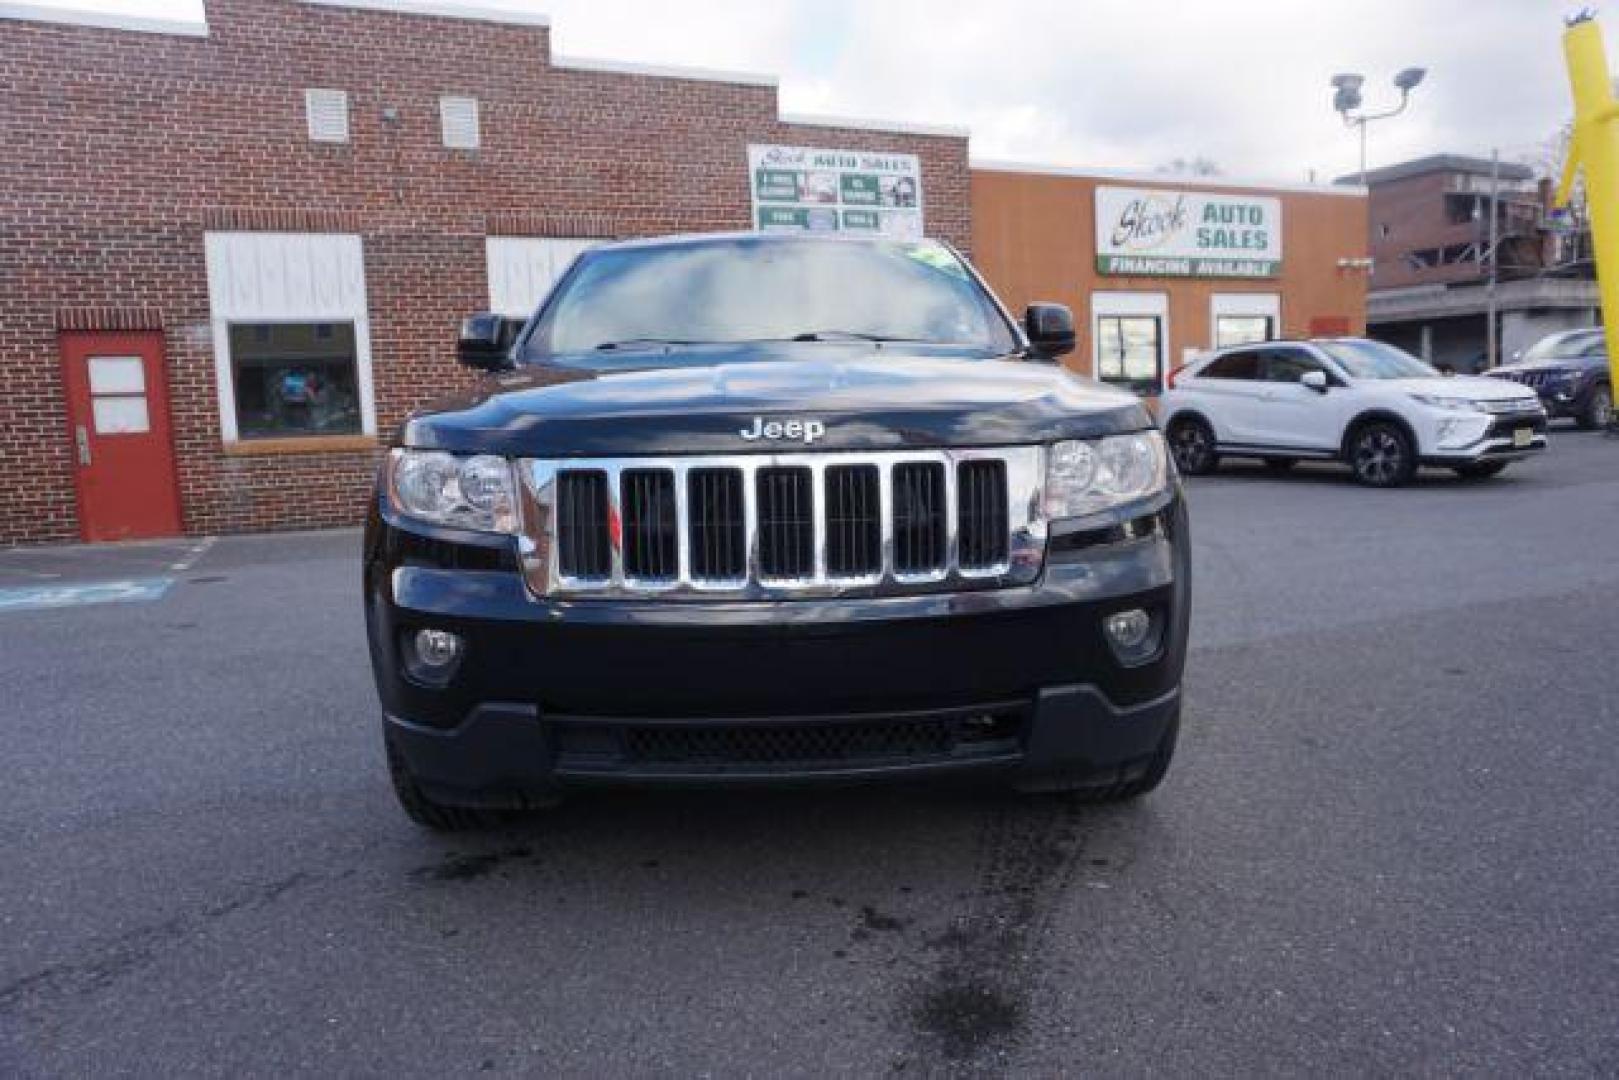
{"x":327,"y":112}
{"x":1129,"y":351}
{"x":1242,"y":329}
{"x":458,"y":118}
{"x":299,"y":379}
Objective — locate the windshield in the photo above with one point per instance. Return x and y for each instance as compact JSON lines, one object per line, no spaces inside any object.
{"x":1364,"y":359}
{"x":752,"y":289}
{"x":1569,"y":346}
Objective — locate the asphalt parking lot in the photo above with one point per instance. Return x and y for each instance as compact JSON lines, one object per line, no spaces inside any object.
{"x":1388,"y":844}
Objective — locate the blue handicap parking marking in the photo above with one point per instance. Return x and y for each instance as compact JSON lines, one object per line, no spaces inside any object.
{"x":42,"y":597}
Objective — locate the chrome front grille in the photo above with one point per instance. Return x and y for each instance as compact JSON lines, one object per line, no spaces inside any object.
{"x":1536,"y":379}
{"x":784,"y":525}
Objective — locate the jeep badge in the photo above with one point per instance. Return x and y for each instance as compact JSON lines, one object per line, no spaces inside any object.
{"x":806,"y":430}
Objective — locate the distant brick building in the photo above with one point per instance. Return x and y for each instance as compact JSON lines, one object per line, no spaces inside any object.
{"x":1430,"y":243}
{"x":234,"y":255}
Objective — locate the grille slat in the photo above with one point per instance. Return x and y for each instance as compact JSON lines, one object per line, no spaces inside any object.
{"x":584,"y":544}
{"x":716,"y":524}
{"x":651,"y":542}
{"x":854,"y":536}
{"x":786,"y":522}
{"x":919,"y":518}
{"x":982,"y":516}
{"x":796,"y":523}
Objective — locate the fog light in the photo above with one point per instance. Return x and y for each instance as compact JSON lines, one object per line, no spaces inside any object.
{"x":1133,"y":635}
{"x":437,"y":649}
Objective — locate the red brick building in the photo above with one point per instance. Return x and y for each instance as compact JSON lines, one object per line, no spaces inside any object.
{"x":234,"y":255}
{"x":1430,"y":241}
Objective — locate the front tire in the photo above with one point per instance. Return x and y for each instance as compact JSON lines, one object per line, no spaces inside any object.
{"x":1479,"y":470}
{"x":1598,"y":412}
{"x":1382,"y":455}
{"x":1191,"y":441}
{"x":432,"y":814}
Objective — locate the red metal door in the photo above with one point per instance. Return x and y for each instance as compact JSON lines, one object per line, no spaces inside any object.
{"x":118,"y":421}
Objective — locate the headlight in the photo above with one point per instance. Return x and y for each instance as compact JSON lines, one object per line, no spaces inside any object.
{"x":466,"y":492}
{"x":1087,"y":476}
{"x":1456,"y":404}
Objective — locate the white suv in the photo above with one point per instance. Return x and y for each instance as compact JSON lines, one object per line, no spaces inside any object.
{"x":1378,"y":409}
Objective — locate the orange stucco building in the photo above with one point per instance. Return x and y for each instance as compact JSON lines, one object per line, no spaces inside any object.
{"x":1157,"y":269}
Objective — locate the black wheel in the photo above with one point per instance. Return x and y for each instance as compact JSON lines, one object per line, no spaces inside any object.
{"x":1192,"y":442}
{"x":1598,"y":411}
{"x":1382,"y":455}
{"x":429,"y":813}
{"x":1280,"y":464}
{"x":1478,"y":470}
{"x":1130,"y":781}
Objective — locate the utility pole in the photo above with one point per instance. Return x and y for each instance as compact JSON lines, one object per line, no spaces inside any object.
{"x":1490,"y":360}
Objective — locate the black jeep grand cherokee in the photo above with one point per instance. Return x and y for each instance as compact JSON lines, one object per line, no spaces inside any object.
{"x":749,"y":508}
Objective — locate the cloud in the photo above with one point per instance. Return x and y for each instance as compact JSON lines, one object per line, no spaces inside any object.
{"x":1119,"y":83}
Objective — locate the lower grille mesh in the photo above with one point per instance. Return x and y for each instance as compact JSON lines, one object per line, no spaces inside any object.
{"x":827,"y":744}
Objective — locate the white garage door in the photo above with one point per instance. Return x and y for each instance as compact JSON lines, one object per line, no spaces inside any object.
{"x":522,"y":270}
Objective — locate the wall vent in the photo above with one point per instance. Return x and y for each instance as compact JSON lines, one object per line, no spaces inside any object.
{"x":328,"y":114}
{"x":459,"y":118}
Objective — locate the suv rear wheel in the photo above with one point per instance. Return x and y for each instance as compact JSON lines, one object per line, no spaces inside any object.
{"x":1598,"y":411}
{"x":1192,"y":442}
{"x":1381,"y":454}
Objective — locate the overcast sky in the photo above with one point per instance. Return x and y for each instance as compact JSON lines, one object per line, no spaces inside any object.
{"x":1119,"y":83}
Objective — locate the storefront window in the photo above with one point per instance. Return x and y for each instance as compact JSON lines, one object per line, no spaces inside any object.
{"x":294,"y":379}
{"x":1129,"y":350}
{"x":1242,"y":330}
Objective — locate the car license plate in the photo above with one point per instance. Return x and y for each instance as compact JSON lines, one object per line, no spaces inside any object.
{"x":1523,"y":436}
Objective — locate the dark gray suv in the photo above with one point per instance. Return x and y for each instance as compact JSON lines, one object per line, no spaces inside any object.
{"x":1569,"y":370}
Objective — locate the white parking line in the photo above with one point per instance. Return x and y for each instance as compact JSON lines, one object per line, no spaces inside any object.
{"x":197,"y":551}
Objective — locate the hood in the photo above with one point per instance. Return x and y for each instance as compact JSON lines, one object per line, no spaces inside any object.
{"x":1476,"y":387}
{"x":859,"y":402}
{"x":1560,"y":363}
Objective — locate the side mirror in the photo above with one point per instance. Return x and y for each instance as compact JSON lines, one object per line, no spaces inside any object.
{"x":484,"y":343}
{"x":1315,"y":380}
{"x":1050,"y":328}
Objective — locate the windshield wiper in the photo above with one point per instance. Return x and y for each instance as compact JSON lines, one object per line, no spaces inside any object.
{"x":854,"y":335}
{"x":642,"y":343}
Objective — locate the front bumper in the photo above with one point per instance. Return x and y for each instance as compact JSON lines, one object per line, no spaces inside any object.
{"x":1017,"y":682}
{"x":1500,"y":441}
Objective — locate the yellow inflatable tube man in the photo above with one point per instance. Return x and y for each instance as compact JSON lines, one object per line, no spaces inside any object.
{"x":1595,"y":150}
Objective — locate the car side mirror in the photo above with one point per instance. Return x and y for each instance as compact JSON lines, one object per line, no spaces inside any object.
{"x":1050,"y":328}
{"x":485,"y":342}
{"x":1315,"y":380}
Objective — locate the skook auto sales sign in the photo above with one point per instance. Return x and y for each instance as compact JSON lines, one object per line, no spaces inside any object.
{"x":1164,"y":233}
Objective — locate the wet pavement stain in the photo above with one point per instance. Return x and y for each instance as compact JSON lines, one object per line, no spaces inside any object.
{"x":974,"y":998}
{"x":872,"y":919}
{"x":469,"y":866}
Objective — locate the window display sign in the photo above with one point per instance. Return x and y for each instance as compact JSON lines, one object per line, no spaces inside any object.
{"x":1163,"y":233}
{"x":798,"y":188}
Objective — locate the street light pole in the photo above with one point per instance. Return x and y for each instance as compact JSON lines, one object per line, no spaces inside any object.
{"x":1490,"y":360}
{"x":1347,"y":98}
